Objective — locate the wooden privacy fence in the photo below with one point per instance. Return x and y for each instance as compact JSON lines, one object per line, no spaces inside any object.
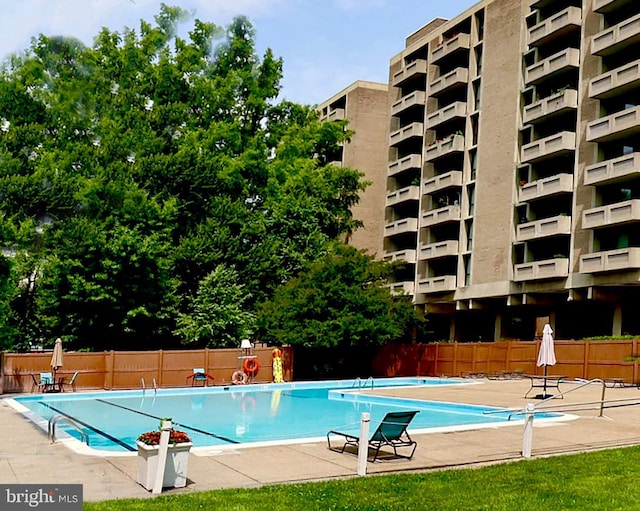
{"x":126,"y":369}
{"x":575,"y":359}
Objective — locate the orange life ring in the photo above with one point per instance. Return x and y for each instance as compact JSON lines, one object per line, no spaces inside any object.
{"x":239,"y":378}
{"x":251,"y":366}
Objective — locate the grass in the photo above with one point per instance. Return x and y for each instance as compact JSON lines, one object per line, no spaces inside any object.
{"x":604,"y":480}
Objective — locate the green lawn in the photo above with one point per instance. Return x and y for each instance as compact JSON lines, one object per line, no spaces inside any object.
{"x":604,"y":480}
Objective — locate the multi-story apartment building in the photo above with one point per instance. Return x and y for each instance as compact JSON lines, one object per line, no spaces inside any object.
{"x":514,"y":139}
{"x":364,"y":104}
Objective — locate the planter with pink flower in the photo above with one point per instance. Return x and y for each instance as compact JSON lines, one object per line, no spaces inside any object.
{"x":175,"y":471}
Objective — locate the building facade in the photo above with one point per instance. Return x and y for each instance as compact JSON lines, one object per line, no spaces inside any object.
{"x":513,"y":169}
{"x":365,"y":105}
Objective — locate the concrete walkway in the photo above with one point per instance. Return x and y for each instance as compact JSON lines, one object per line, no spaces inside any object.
{"x":26,"y":456}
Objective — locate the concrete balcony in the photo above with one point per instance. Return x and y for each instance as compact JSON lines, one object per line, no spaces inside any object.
{"x":441,"y":216}
{"x":440,"y":149}
{"x":554,"y":226}
{"x":409,"y":162}
{"x":615,"y":82}
{"x":337,"y":114}
{"x":412,"y":69}
{"x":555,"y":104}
{"x":403,"y":288}
{"x":459,"y":77}
{"x":447,"y":248}
{"x":455,"y":44}
{"x":613,"y":214}
{"x":408,"y":256}
{"x":402,"y":195}
{"x":556,"y":26}
{"x":618,"y":125}
{"x":610,"y":260}
{"x":616,"y":38}
{"x":604,"y":6}
{"x":561,"y":61}
{"x":548,"y":147}
{"x":401,"y":227}
{"x":442,"y":182}
{"x":455,"y":110}
{"x":415,"y":129}
{"x":537,"y":270}
{"x":437,"y":284}
{"x":624,"y":168}
{"x":416,"y":98}
{"x":552,"y":185}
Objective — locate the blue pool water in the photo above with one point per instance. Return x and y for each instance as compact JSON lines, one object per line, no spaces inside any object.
{"x":227,"y":416}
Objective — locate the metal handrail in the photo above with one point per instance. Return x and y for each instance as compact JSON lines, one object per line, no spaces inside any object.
{"x":370,"y":379}
{"x":51,"y":428}
{"x":358,"y":382}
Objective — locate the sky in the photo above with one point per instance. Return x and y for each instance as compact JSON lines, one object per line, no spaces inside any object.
{"x":326,"y":45}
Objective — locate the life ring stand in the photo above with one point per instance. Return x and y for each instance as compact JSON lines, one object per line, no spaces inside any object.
{"x":251,"y":366}
{"x":239,"y":378}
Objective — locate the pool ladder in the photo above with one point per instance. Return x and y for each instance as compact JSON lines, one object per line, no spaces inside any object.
{"x":144,"y":387}
{"x":51,"y":428}
{"x":363,"y":384}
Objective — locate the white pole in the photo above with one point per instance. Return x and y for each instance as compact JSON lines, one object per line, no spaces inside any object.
{"x":163,"y":448}
{"x":363,"y":444}
{"x":527,"y":439}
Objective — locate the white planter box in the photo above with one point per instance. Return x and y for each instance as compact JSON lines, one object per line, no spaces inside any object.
{"x":175,"y":471}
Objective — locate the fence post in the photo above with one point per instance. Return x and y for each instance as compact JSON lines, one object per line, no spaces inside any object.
{"x":363,"y":444}
{"x":527,"y":438}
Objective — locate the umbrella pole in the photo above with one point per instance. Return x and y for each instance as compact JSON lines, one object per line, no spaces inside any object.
{"x":544,"y":385}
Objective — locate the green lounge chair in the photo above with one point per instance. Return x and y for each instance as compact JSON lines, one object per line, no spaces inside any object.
{"x":391,"y":431}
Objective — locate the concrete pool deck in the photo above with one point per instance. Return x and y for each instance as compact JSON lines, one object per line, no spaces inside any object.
{"x":27,"y":457}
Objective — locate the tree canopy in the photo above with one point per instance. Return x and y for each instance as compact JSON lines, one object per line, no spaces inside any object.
{"x":133,"y":171}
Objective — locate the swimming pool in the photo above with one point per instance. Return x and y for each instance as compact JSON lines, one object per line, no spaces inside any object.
{"x":219,"y":417}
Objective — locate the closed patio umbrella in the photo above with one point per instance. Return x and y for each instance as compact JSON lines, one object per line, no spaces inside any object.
{"x":56,"y":357}
{"x":546,"y":355}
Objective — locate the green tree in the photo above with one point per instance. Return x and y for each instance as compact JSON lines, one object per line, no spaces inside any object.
{"x":338,"y":301}
{"x":132,"y":169}
{"x":216,"y":317}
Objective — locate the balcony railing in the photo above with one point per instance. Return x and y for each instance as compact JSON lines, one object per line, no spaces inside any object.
{"x":416,"y":68}
{"x":616,"y":38}
{"x":444,"y":147}
{"x":611,"y":260}
{"x":408,"y":255}
{"x":567,"y":58}
{"x":415,"y":129}
{"x":442,"y":182}
{"x":401,"y":226}
{"x":554,"y":226}
{"x":547,"y":269}
{"x":401,"y":195}
{"x":620,"y":169}
{"x":457,"y":78}
{"x":437,"y":250}
{"x":613,"y":214}
{"x":404,"y":288}
{"x":417,"y":97}
{"x":552,"y":185}
{"x":611,"y":127}
{"x":457,"y":43}
{"x":411,"y":161}
{"x":449,"y":112}
{"x":554,"y":145}
{"x":437,"y":284}
{"x":555,"y":26}
{"x":441,"y":215}
{"x":615,"y":82}
{"x":552,"y":105}
{"x":337,"y":114}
